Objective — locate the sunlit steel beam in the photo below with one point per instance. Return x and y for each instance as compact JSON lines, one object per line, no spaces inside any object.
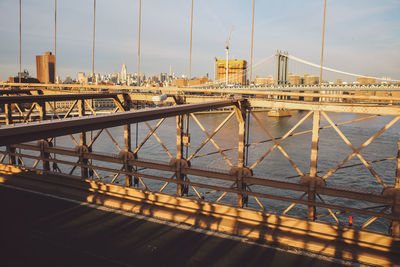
{"x":42,"y":98}
{"x":30,"y":132}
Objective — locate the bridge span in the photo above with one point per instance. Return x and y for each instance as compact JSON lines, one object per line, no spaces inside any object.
{"x":229,"y":188}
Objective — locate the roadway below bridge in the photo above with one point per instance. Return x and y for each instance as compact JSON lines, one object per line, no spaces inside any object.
{"x":40,"y":229}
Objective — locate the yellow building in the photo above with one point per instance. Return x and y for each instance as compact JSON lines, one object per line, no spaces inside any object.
{"x":310,"y":79}
{"x":199,"y":81}
{"x":236,"y":71}
{"x":294,"y":79}
{"x":366,"y":80}
{"x":264,"y":81}
{"x":180,"y":82}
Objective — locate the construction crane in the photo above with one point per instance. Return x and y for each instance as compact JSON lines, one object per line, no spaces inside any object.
{"x":227,"y":56}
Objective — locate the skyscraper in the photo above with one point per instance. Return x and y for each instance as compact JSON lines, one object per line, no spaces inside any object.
{"x":45,"y":68}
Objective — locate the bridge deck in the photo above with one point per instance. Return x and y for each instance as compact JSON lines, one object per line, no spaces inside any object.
{"x":334,"y":240}
{"x":41,"y":230}
{"x":77,"y":227}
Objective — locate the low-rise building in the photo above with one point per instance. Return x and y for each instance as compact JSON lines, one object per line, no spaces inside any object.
{"x":269,"y":80}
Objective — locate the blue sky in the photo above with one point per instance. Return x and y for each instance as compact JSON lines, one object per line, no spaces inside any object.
{"x":362,"y":36}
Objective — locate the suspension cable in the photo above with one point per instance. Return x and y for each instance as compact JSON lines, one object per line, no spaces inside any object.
{"x":190,"y":49}
{"x":322,"y":50}
{"x":55,"y":40}
{"x":20,"y":39}
{"x":138,"y":50}
{"x":337,"y":71}
{"x":94,"y":35}
{"x":251,"y":57}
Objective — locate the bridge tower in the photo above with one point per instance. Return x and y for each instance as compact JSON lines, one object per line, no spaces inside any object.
{"x":281,"y":67}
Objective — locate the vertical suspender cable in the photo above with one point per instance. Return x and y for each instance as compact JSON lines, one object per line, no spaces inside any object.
{"x":138,"y":71}
{"x":322,"y":50}
{"x":247,"y":136}
{"x":252,"y":33}
{"x":187,"y":134}
{"x":55,"y":40}
{"x":136,"y":142}
{"x":190,"y":49}
{"x":138,"y":50}
{"x":55,"y":67}
{"x":94,"y":39}
{"x":20,"y":39}
{"x":94,"y":35}
{"x":137,"y":135}
{"x":20,"y":47}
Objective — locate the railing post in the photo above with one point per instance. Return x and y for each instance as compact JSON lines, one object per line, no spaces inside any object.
{"x":313,"y":165}
{"x":127,"y":150}
{"x":179,"y":153}
{"x":82,"y":142}
{"x":394,"y":194}
{"x":9,"y":120}
{"x":397,"y":179}
{"x":180,"y":162}
{"x":43,"y":144}
{"x":394,"y":226}
{"x":8,"y":113}
{"x":128,"y":144}
{"x":42,"y":110}
{"x":241,"y":170}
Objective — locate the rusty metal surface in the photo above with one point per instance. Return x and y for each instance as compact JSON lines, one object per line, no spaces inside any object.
{"x":333,"y":101}
{"x":350,"y":87}
{"x":13,"y":134}
{"x":209,"y":174}
{"x":59,"y":97}
{"x":17,"y":91}
{"x":178,"y":172}
{"x":328,"y":107}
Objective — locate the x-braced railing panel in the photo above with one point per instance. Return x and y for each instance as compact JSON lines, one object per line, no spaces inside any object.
{"x":312,"y":189}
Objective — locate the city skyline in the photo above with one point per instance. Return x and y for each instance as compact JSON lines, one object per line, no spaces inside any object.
{"x":357,"y":34}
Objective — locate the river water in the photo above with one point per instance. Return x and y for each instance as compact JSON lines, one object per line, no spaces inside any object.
{"x":332,"y":150}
